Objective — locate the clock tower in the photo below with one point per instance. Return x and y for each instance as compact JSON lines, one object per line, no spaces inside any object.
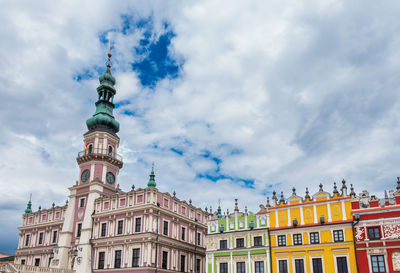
{"x":99,"y":165}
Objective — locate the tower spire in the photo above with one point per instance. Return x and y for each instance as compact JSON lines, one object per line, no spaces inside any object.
{"x":103,"y":117}
{"x":152,"y":181}
{"x":29,"y":205}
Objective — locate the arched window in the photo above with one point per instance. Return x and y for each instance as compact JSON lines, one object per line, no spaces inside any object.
{"x":110,"y":150}
{"x":90,"y":149}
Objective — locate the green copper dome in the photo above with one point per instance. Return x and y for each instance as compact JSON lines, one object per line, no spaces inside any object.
{"x":103,"y":117}
{"x":28,"y":207}
{"x":152,"y":181}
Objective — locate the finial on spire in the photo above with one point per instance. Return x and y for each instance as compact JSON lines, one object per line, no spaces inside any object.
{"x":352,"y":193}
{"x":307,"y":194}
{"x":109,"y":54}
{"x":174,"y":194}
{"x":335,"y":191}
{"x":398,"y":183}
{"x":268,"y":204}
{"x":294,"y":191}
{"x":236,"y":205}
{"x":320,"y":187}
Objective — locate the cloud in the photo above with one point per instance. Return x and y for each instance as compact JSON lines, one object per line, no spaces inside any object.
{"x":231,"y":100}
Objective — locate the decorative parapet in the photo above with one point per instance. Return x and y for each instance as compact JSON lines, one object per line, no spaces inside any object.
{"x":32,"y":269}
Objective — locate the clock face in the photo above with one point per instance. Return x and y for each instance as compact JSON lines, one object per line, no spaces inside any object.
{"x":110,"y":178}
{"x":85,"y":175}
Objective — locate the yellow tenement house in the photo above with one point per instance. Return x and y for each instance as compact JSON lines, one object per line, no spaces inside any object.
{"x":313,"y":234}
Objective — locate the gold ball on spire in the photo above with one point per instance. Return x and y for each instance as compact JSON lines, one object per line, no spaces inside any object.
{"x":109,"y":54}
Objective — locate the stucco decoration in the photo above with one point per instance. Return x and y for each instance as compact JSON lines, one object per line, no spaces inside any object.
{"x":360,"y":232}
{"x":396,"y":260}
{"x":391,"y":231}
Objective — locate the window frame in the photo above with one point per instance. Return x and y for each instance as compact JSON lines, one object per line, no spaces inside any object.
{"x":259,"y":241}
{"x":120,"y":229}
{"x":314,"y":237}
{"x":221,"y":265}
{"x":297,"y":239}
{"x":165,"y":227}
{"x":374,"y":237}
{"x":103,"y":231}
{"x":258,"y":266}
{"x":117,"y":258}
{"x":240,"y":267}
{"x":55,"y":236}
{"x":164,"y":260}
{"x":138,"y":223}
{"x":338,"y":235}
{"x":101,"y":262}
{"x":183,"y":233}
{"x":317,"y":259}
{"x":82,"y":202}
{"x":299,"y":265}
{"x":135,"y":258}
{"x":183,"y":263}
{"x":340,"y":266}
{"x":281,"y":240}
{"x":377,"y":263}
{"x":41,"y":238}
{"x":78,"y":230}
{"x":241,"y":245}
{"x":27,"y":239}
{"x":282,"y":266}
{"x":225,"y":243}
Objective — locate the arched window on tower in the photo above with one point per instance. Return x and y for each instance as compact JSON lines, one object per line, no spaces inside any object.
{"x":110,"y":150}
{"x":90,"y":148}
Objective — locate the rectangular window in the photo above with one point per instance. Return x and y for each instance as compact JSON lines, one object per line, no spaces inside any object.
{"x":198,"y":238}
{"x":283,"y":266}
{"x":82,"y":202}
{"x":120,"y":226}
{"x":281,"y":240}
{"x":165,"y":228}
{"x":223,"y":268}
{"x":103,"y":229}
{"x":240,"y":242}
{"x":299,"y":265}
{"x":78,"y":232}
{"x":297,"y":239}
{"x":138,"y":224}
{"x":135,"y":257}
{"x":241,"y":267}
{"x":314,"y":238}
{"x":102,"y":256}
{"x":338,"y":236}
{"x":259,"y":266}
{"x":40,"y":238}
{"x":54,"y":236}
{"x":27,"y":239}
{"x":183,"y":233}
{"x":341,"y":264}
{"x":23,"y":261}
{"x":198,"y":263}
{"x":317,"y":265}
{"x":37,"y":262}
{"x":183,"y":263}
{"x":117,"y":259}
{"x":258,"y":241}
{"x":374,"y":233}
{"x":164,"y":260}
{"x":378,"y":264}
{"x":223,"y":244}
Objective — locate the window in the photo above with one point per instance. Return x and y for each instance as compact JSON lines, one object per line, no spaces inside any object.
{"x":281,"y":240}
{"x":54,"y":236}
{"x":110,"y":150}
{"x":223,"y":268}
{"x":103,"y":229}
{"x":317,"y":265}
{"x":297,"y":239}
{"x":90,"y":150}
{"x":164,"y":260}
{"x":341,"y":264}
{"x":120,"y":226}
{"x":240,"y":242}
{"x":165,"y":228}
{"x":283,"y":266}
{"x":23,"y":261}
{"x":183,"y":233}
{"x":258,"y":241}
{"x":82,"y":202}
{"x":259,"y":267}
{"x":78,"y":232}
{"x":138,"y":224}
{"x":40,"y":238}
{"x":198,"y":265}
{"x":338,"y":236}
{"x":117,"y":259}
{"x":135,"y":257}
{"x":374,"y":233}
{"x":378,"y":263}
{"x":183,"y":263}
{"x":27,"y":239}
{"x":241,"y":267}
{"x":37,"y":262}
{"x":314,"y":238}
{"x":299,"y":265}
{"x":223,"y":244}
{"x":102,"y":256}
{"x":198,"y":238}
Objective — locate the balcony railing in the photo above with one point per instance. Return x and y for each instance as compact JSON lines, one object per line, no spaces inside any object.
{"x":100,"y":152}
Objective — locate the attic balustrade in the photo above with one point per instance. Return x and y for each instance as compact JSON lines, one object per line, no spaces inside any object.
{"x":101,"y":152}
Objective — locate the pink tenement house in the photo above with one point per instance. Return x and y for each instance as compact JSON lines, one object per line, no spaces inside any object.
{"x":102,"y":228}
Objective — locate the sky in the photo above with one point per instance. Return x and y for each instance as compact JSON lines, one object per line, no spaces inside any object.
{"x":230,"y":99}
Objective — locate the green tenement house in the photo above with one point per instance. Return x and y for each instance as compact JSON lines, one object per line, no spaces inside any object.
{"x":238,"y":242}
